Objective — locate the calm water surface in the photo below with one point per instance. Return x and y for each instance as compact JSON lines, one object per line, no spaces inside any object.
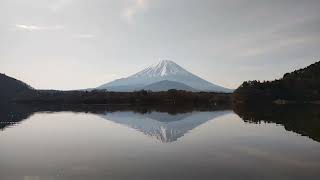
{"x":154,"y":145}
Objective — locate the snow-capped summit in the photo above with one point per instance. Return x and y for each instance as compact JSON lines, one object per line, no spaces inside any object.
{"x":165,"y":70}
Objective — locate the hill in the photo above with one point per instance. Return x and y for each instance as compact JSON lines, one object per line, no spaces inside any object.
{"x":10,"y":87}
{"x":300,"y":86}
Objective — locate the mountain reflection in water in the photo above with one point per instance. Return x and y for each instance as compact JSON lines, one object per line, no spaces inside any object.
{"x":167,"y":123}
{"x":163,"y":126}
{"x":100,"y":142}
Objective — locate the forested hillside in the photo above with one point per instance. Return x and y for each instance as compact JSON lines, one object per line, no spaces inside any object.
{"x":299,"y":86}
{"x":10,"y":87}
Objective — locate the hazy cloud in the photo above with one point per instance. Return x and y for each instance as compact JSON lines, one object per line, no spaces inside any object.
{"x":83,"y":36}
{"x":275,"y":45}
{"x":134,"y":8}
{"x":36,"y":27}
{"x":58,"y":4}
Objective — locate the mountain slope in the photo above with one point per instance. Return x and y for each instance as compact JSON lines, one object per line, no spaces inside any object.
{"x":10,"y":87}
{"x":166,"y":85}
{"x":164,"y":70}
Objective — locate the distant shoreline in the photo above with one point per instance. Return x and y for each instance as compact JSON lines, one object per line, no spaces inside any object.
{"x":171,"y":97}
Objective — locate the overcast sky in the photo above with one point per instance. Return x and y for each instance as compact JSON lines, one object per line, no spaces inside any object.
{"x":71,"y":44}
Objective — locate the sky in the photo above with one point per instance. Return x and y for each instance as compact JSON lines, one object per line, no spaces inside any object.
{"x":75,"y":44}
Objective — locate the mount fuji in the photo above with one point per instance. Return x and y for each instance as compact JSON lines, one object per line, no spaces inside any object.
{"x":162,"y":76}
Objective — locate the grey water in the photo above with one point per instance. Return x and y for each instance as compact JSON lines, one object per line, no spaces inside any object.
{"x":125,"y":144}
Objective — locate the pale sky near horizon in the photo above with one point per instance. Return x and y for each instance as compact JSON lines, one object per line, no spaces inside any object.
{"x":75,"y":44}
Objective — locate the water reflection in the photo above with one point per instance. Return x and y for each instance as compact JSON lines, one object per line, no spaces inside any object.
{"x":164,"y":123}
{"x":163,"y":126}
{"x":11,"y":114}
{"x":168,"y":123}
{"x":301,"y":119}
{"x":98,"y":142}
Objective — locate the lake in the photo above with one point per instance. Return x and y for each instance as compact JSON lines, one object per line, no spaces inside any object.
{"x":88,"y":143}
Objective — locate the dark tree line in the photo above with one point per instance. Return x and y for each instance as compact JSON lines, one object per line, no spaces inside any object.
{"x":299,"y":86}
{"x":172,"y":97}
